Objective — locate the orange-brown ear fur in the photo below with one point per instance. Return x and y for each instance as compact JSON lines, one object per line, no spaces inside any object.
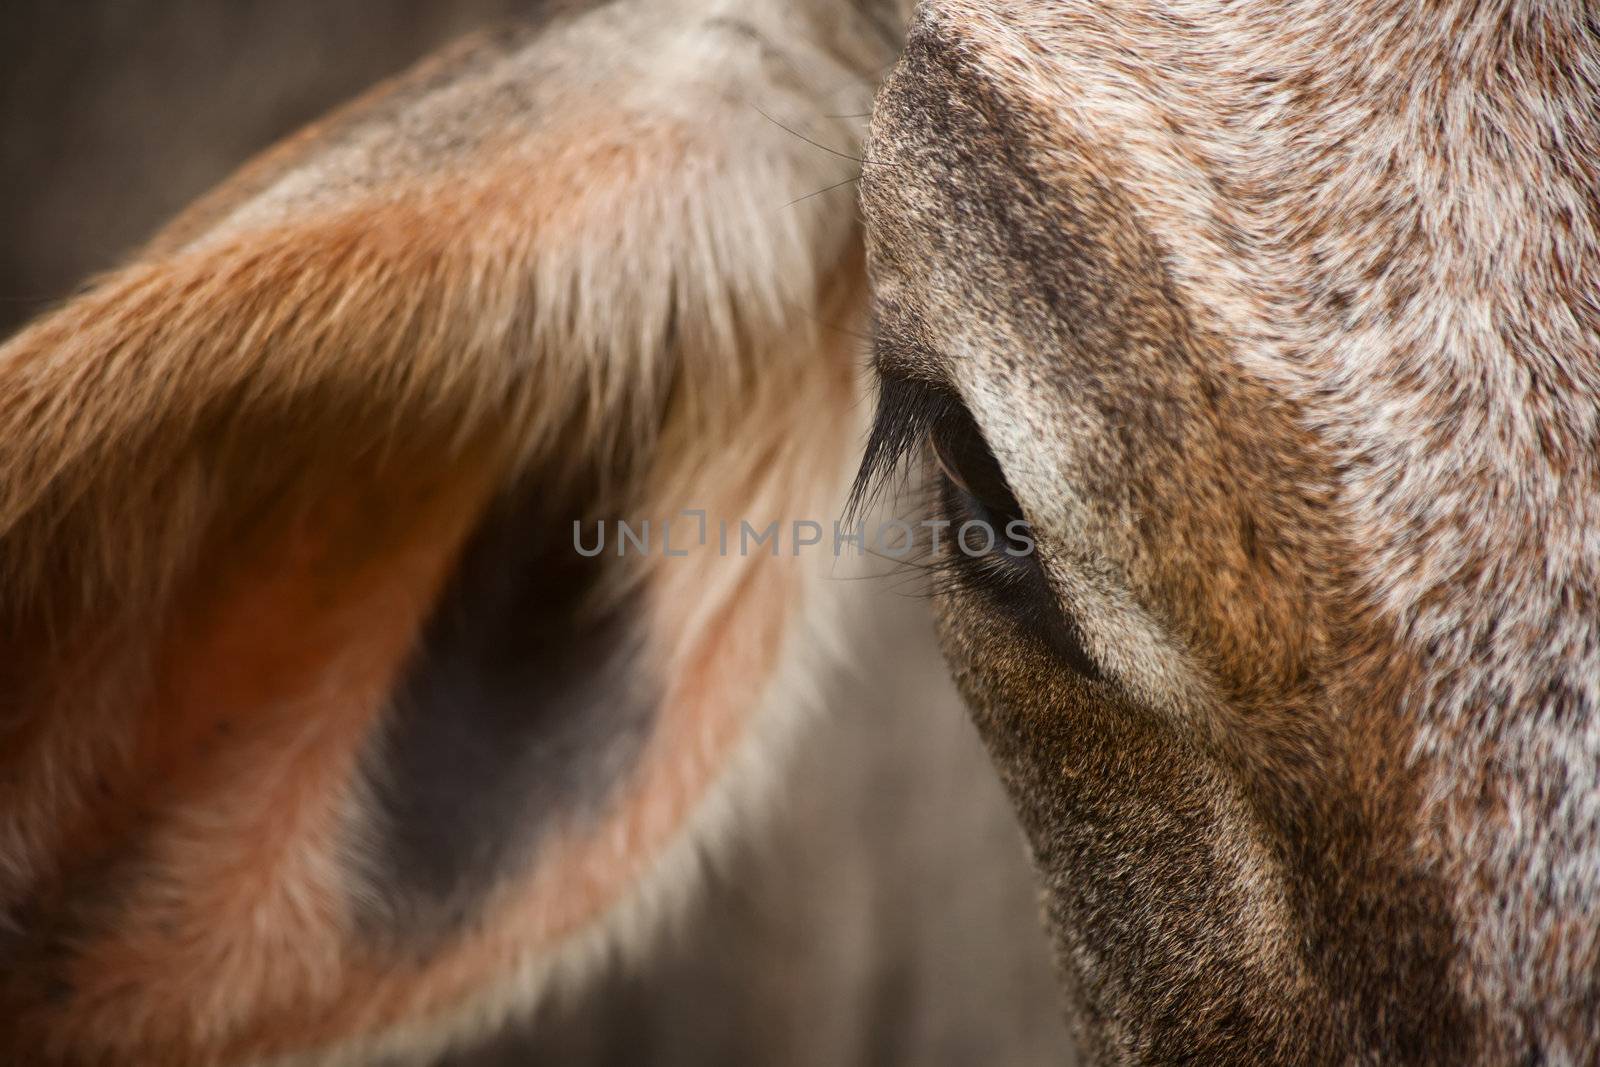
{"x":236,"y":476}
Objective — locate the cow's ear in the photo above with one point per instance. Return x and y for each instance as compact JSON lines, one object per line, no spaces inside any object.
{"x":323,"y":720}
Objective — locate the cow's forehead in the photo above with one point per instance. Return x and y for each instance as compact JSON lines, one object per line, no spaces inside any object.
{"x":1382,"y":213}
{"x":1212,"y":130}
{"x":1314,"y":172}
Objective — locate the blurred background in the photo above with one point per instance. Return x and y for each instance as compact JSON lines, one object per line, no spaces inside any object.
{"x":882,"y":913}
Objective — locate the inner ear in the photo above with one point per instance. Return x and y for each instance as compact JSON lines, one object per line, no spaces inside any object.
{"x":527,"y":700}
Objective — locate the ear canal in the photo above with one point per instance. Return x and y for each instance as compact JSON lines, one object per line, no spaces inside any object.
{"x":320,"y":733}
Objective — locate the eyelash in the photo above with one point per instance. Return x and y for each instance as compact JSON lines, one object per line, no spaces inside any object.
{"x":907,"y":412}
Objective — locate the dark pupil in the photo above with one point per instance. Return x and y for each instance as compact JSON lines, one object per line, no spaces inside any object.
{"x":965,"y":459}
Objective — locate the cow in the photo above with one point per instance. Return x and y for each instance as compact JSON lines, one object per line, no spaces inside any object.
{"x":331,"y":737}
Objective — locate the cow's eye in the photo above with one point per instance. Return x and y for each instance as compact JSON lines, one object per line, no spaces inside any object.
{"x":987,"y":546}
{"x":992,"y":547}
{"x":971,"y":470}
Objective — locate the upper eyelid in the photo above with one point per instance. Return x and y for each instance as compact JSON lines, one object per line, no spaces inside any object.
{"x":899,"y":353}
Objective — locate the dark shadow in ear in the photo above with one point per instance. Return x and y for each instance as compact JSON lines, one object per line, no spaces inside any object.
{"x":524,"y":705}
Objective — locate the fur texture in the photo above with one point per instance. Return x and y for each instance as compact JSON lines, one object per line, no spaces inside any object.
{"x":239,"y":475}
{"x":1281,"y":321}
